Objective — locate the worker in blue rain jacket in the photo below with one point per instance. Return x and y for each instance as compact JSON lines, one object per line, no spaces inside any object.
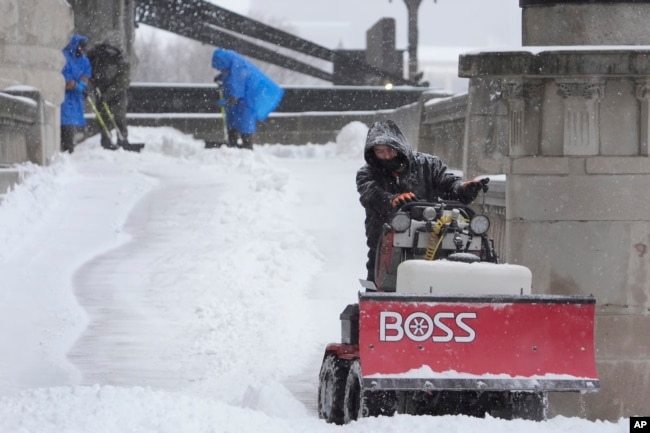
{"x":76,"y":72}
{"x":249,"y":96}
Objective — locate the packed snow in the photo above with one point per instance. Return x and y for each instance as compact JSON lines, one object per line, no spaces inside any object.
{"x":184,"y":289}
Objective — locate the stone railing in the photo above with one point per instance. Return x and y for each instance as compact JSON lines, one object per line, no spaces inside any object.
{"x":443,"y":128}
{"x":306,"y":115}
{"x":442,"y":133}
{"x":494,"y":206}
{"x":27,"y":132}
{"x":17,"y":115}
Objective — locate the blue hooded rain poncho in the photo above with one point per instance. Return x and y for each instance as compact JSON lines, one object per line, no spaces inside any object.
{"x":72,"y":108}
{"x":257,"y":95}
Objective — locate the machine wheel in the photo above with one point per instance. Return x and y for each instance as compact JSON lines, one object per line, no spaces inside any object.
{"x":365,"y":403}
{"x":331,"y":388}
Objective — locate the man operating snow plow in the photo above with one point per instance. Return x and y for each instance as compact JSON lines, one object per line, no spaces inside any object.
{"x":446,"y":329}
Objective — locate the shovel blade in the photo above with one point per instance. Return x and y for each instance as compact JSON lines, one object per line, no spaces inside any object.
{"x":214,"y":144}
{"x":132,"y":147}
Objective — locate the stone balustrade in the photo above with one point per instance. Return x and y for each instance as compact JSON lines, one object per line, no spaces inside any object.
{"x":17,"y":115}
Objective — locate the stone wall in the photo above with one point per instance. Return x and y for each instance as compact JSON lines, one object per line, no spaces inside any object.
{"x":32,"y":35}
{"x":280,"y":128}
{"x":578,"y":173}
{"x":31,"y":41}
{"x":442,"y":130}
{"x":585,"y":22}
{"x":104,"y":21}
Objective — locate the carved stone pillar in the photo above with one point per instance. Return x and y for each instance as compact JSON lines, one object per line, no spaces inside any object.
{"x":643,"y":95}
{"x":524,"y":101}
{"x":581,"y":116}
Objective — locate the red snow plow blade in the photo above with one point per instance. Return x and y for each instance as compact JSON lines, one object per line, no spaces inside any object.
{"x":528,"y":342}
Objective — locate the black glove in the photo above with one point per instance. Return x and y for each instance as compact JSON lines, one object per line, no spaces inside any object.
{"x":471,"y":188}
{"x":402,"y":199}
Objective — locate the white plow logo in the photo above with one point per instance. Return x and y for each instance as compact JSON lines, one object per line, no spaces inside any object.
{"x":420,"y":326}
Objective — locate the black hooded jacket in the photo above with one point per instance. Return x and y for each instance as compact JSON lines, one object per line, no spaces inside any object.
{"x":111,"y":71}
{"x":422,"y":174}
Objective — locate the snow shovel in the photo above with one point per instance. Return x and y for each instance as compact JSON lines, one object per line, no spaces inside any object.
{"x":121,"y":141}
{"x":99,"y":117}
{"x":100,"y":120}
{"x":212,"y":144}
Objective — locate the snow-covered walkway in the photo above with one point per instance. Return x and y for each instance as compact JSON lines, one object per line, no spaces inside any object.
{"x":187,"y":290}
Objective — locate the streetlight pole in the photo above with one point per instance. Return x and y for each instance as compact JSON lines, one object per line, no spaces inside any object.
{"x":412,"y":6}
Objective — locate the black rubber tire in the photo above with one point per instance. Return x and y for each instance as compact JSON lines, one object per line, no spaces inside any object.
{"x":360,"y":403}
{"x":331,"y":388}
{"x":352,"y":403}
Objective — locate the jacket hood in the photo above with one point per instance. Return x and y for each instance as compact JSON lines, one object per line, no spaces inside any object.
{"x":114,"y":39}
{"x":105,"y":54}
{"x":76,"y":39}
{"x":223,"y":59}
{"x":386,"y":133}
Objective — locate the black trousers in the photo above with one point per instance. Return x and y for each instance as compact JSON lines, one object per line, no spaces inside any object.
{"x":67,"y":138}
{"x":233,"y":135}
{"x":374,"y":231}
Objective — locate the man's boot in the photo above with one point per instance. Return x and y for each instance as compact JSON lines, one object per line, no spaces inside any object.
{"x":247,"y":141}
{"x":67,"y":138}
{"x":107,"y":143}
{"x":232,"y":137}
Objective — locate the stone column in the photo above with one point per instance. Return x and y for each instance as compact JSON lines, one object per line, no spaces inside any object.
{"x":413,"y":6}
{"x":523,"y":99}
{"x":103,"y":21}
{"x":380,"y":48}
{"x":578,"y":173}
{"x":643,"y":95}
{"x":585,"y":201}
{"x":32,"y":35}
{"x":581,"y":115}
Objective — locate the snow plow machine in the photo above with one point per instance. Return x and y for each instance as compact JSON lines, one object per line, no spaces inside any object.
{"x":447,"y":330}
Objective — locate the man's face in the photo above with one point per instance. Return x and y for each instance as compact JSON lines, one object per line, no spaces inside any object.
{"x":81,"y":49}
{"x":384,"y":152}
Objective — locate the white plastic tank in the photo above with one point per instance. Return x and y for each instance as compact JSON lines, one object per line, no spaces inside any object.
{"x":443,"y":277}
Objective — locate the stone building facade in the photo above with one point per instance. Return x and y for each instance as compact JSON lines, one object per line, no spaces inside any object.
{"x":30,"y":48}
{"x":577,"y":166}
